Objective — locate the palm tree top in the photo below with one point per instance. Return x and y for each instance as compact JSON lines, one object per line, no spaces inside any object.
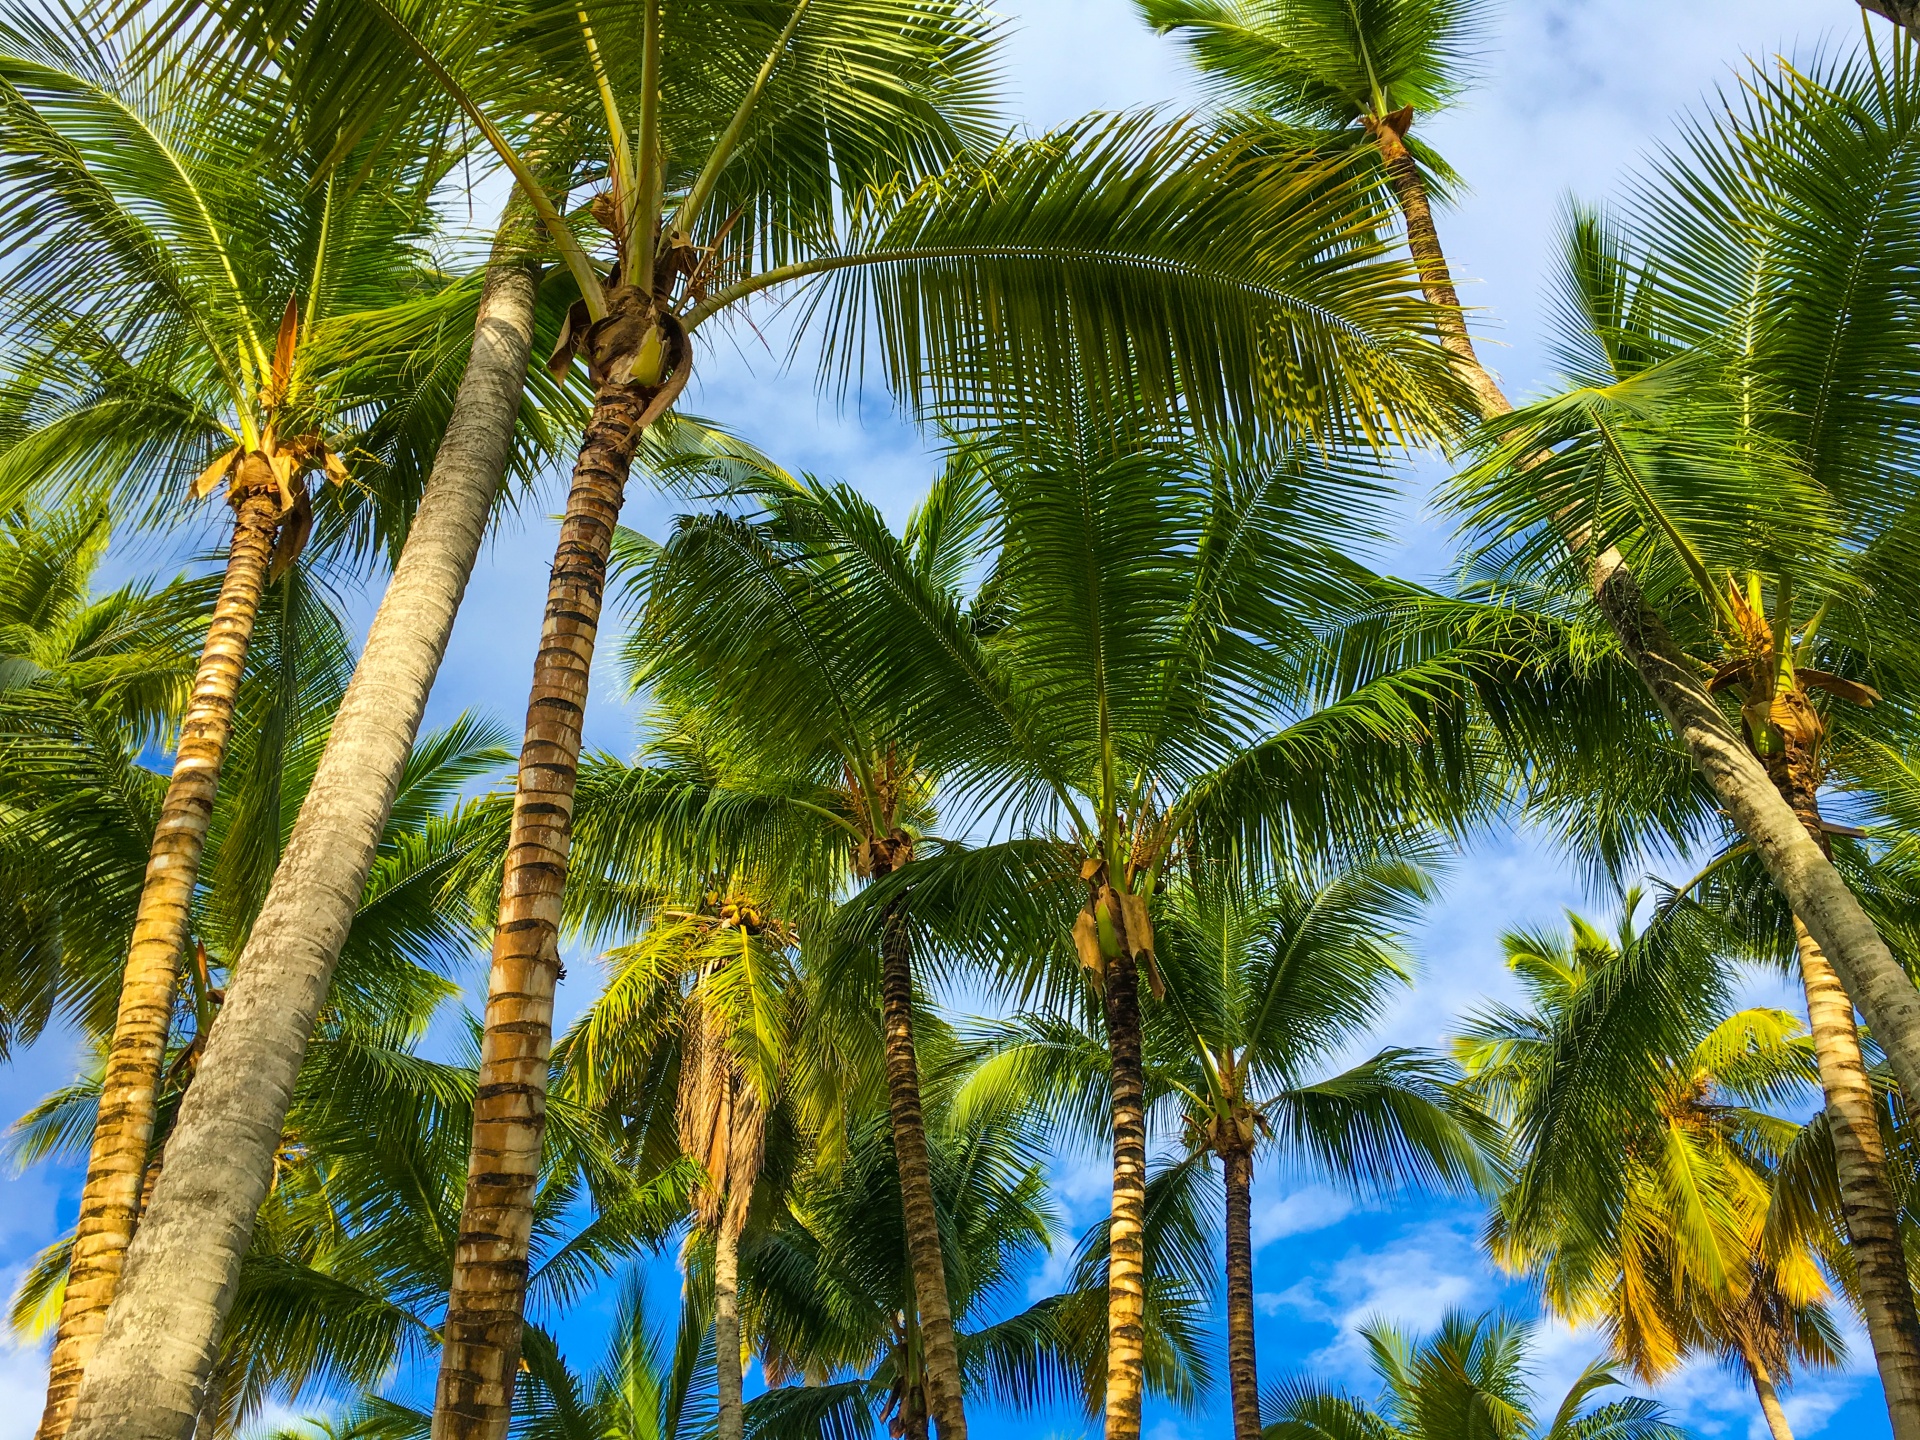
{"x":1468,"y":1380}
{"x":1328,"y":63}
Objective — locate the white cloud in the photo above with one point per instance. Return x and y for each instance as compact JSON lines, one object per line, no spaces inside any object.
{"x":1313,"y":1208}
{"x":1411,"y":1282}
{"x":23,"y":1388}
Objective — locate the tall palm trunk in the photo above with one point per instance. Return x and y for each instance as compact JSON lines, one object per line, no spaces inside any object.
{"x":730,"y":1421}
{"x":481,"y":1337}
{"x":1243,"y":1370}
{"x":1795,"y":861}
{"x":123,"y":1130}
{"x":1866,"y":1196}
{"x":1768,"y":1396}
{"x":924,"y":1252}
{"x":162,"y":1335}
{"x":1126,"y":1257}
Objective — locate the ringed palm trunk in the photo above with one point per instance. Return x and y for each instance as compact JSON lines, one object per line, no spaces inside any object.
{"x":162,"y":1336}
{"x":1860,"y":1160}
{"x":1126,"y":1257}
{"x":1797,"y":863}
{"x":1243,"y":1371}
{"x":941,"y":1357}
{"x":117,"y":1162}
{"x":730,"y":1421}
{"x":480,"y":1352}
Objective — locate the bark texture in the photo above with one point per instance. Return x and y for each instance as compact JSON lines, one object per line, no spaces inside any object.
{"x":924,"y":1251}
{"x":1860,"y":1160}
{"x":117,"y":1162}
{"x":1126,"y":1262}
{"x":1243,"y":1369}
{"x":1904,"y":13}
{"x":1866,"y":1197}
{"x":480,"y":1351}
{"x":162,"y":1335}
{"x":1797,"y":866}
{"x":731,"y":1422}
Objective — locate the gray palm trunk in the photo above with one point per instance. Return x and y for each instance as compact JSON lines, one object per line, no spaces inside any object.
{"x":148,"y":1379}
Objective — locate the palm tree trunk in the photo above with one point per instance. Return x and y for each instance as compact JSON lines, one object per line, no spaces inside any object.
{"x":1126,"y":1257}
{"x":1800,"y":869}
{"x":163,"y":1332}
{"x":1436,"y":280}
{"x":1853,"y":1118}
{"x":480,"y":1351}
{"x":731,"y":1421}
{"x":1866,"y":1198}
{"x":1243,"y":1370}
{"x":924,"y":1250}
{"x":1769,"y":1398}
{"x":1904,"y":13}
{"x":123,"y":1130}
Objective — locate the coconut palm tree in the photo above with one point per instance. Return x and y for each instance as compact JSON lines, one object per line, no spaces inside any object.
{"x":732,"y":138}
{"x":1336,"y":67}
{"x":1354,"y":77}
{"x":746,"y":619}
{"x":1774,"y":608}
{"x":1263,"y":989}
{"x":1265,"y":984}
{"x":1449,"y":1385}
{"x":1652,"y":1213}
{"x":708,"y":995}
{"x":1116,"y":698}
{"x":74,"y":664}
{"x":178,"y":265}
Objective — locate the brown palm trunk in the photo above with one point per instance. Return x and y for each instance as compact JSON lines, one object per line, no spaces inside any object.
{"x":1126,"y":1258}
{"x":1798,"y":866}
{"x":730,"y":1420}
{"x":162,"y":1336}
{"x":480,"y":1352}
{"x":1436,"y":280}
{"x":924,"y":1252}
{"x":123,"y":1130}
{"x":1243,"y":1370}
{"x":1866,"y":1195}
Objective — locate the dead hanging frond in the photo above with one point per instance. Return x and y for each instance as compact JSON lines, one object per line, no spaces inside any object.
{"x":722,"y":1127}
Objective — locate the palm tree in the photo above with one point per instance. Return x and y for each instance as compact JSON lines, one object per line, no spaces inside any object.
{"x":1651,"y":1213}
{"x":1660,"y":303}
{"x":1265,"y":983}
{"x":747,"y":621}
{"x":176,"y":262}
{"x":1264,"y":988}
{"x":749,"y":128}
{"x":707,"y":994}
{"x":1333,"y":65}
{"x":1451,"y":1385}
{"x":410,"y":927}
{"x":1354,"y":73}
{"x":1117,"y":695}
{"x":75,"y":665}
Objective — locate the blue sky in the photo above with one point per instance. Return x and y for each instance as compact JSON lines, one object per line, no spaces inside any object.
{"x":1574,"y":93}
